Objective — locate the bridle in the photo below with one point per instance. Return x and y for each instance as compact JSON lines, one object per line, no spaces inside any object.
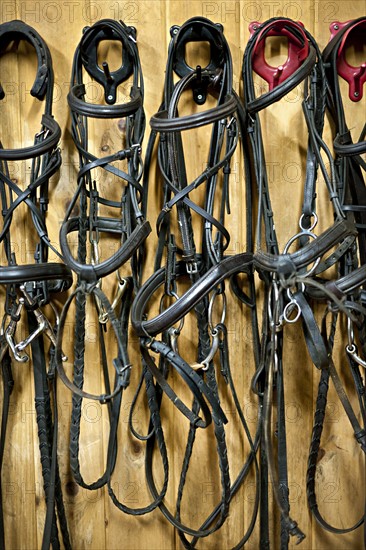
{"x":128,"y":222}
{"x":349,"y":286}
{"x":32,"y":286}
{"x":292,"y":278}
{"x":197,"y":259}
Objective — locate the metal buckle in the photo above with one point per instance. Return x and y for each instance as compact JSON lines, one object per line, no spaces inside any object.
{"x":9,"y":336}
{"x":191,"y":267}
{"x":43,"y":326}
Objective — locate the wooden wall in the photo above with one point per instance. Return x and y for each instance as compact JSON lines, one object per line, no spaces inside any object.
{"x":93,"y":520}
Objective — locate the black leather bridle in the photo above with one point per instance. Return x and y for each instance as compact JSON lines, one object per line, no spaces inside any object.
{"x":32,"y":286}
{"x":293,"y":279}
{"x":198,"y":260}
{"x":192,"y":270}
{"x":349,"y":287}
{"x":128,"y":223}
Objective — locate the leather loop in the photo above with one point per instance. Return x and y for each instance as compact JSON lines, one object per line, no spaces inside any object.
{"x":313,"y":337}
{"x":283,"y":89}
{"x":194,"y":381}
{"x":92,"y":110}
{"x":102,"y":269}
{"x":97,"y":292}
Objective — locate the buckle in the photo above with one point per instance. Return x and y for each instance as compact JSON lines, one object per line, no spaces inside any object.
{"x":191,"y":267}
{"x":44,"y":326}
{"x":10,"y":334}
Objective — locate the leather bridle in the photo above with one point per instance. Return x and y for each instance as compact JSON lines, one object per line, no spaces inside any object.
{"x":349,"y":166}
{"x":292,"y":279}
{"x":128,"y":223}
{"x":200,"y":261}
{"x":32,"y":286}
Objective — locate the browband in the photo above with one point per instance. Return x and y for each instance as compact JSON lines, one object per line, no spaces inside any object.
{"x":76,"y":103}
{"x":161,"y":123}
{"x":53,"y":132}
{"x":309,"y":253}
{"x":18,"y":274}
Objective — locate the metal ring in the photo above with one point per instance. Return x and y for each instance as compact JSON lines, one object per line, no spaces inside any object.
{"x":120,"y":278}
{"x":56,"y":313}
{"x":312,"y":225}
{"x":290,"y":294}
{"x":350,"y":332}
{"x":273,"y":289}
{"x":307,"y":233}
{"x":175,"y":295}
{"x":351,"y":349}
{"x":291,"y":305}
{"x":210,"y":307}
{"x":3,"y":323}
